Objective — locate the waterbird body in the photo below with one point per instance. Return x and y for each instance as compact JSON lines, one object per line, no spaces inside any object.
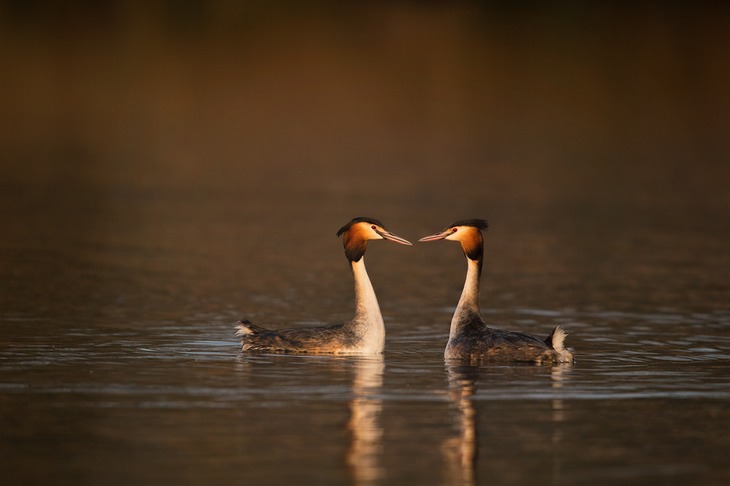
{"x":364,"y":334}
{"x":469,"y":337}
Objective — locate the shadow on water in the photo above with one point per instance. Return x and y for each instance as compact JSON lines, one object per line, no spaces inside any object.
{"x":366,"y":430}
{"x":461,"y":451}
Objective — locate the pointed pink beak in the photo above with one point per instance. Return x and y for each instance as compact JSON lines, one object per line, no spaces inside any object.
{"x":436,"y":237}
{"x":395,"y":238}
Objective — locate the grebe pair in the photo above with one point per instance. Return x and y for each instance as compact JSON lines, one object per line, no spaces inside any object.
{"x":470,"y":339}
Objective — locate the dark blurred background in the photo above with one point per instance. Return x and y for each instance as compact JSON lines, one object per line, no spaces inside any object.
{"x":609,"y":116}
{"x":588,"y":99}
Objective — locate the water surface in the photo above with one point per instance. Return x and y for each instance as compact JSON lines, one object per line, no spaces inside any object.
{"x":119,"y":365}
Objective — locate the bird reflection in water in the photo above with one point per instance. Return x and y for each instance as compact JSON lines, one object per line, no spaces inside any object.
{"x":461,"y":450}
{"x":366,"y":432}
{"x":558,"y":373}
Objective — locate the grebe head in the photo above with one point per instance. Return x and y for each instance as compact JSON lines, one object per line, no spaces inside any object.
{"x":359,"y":231}
{"x":468,"y":232}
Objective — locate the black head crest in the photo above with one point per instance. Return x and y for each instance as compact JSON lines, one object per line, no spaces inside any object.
{"x":361,"y":219}
{"x":480,"y":224}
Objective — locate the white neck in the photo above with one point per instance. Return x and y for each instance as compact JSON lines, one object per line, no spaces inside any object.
{"x":368,"y":321}
{"x":469,"y":300}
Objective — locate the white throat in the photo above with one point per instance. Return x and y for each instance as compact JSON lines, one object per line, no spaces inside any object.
{"x":469,"y":300}
{"x":368,"y":320}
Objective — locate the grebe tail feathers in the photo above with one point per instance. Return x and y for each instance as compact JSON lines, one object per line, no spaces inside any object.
{"x":246,"y":327}
{"x":556,"y":340}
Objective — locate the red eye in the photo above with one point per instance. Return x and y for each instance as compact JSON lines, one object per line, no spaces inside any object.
{"x":455,"y":230}
{"x":373,"y":226}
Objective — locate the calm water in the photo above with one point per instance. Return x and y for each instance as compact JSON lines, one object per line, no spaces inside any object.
{"x":160,"y":180}
{"x":119,"y":363}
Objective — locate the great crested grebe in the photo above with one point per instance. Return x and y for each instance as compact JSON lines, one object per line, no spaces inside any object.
{"x":469,"y":337}
{"x":364,"y":334}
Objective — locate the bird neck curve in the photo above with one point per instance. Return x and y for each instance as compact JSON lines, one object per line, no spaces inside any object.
{"x":368,"y":320}
{"x":468,"y":306}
